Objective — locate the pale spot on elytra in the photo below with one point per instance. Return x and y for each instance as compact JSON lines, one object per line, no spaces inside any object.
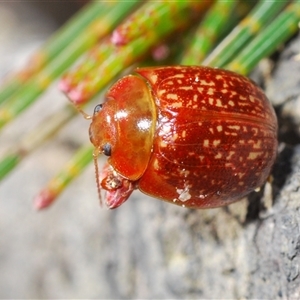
{"x":210,"y":91}
{"x":254,"y":155}
{"x":172,"y":97}
{"x":186,"y":88}
{"x":219,"y":128}
{"x":216,"y":142}
{"x":153,"y":78}
{"x":230,"y":154}
{"x":176,"y":104}
{"x":218,"y":156}
{"x":257,"y":145}
{"x":206,"y":143}
{"x":163,"y":144}
{"x":234,"y":127}
{"x":156,"y":164}
{"x":209,"y":83}
{"x":219,"y":103}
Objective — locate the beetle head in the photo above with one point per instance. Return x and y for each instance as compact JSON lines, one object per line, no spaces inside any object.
{"x":102,"y":130}
{"x":123,"y":128}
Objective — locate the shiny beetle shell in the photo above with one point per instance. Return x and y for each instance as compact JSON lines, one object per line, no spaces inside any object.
{"x":198,"y":137}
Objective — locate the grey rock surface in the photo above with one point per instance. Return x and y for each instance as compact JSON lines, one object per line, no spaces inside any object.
{"x":146,"y":249}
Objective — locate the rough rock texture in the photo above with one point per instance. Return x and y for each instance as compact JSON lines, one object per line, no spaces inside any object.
{"x":146,"y":248}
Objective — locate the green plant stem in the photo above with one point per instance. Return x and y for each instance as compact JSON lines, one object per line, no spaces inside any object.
{"x":261,"y":15}
{"x":54,"y":46}
{"x":206,"y":35}
{"x":40,"y":82}
{"x":75,"y":166}
{"x":279,"y":31}
{"x":107,"y":60}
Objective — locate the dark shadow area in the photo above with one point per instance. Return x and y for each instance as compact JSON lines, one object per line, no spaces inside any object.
{"x":254,"y":206}
{"x":287,"y":129}
{"x":282,"y":169}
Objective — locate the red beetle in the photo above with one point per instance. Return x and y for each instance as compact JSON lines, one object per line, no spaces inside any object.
{"x":198,"y":137}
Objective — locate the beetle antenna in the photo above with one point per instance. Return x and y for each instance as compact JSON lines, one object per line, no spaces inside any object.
{"x":85,"y":115}
{"x":78,"y":108}
{"x":95,"y":156}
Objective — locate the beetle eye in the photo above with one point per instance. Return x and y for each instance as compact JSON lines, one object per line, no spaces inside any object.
{"x":97,"y":108}
{"x":106,"y":149}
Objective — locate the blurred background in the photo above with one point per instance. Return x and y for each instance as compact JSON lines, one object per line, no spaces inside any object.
{"x":51,"y":254}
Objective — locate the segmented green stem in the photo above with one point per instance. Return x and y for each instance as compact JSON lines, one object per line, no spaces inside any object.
{"x":107,"y":60}
{"x":38,"y":83}
{"x":113,"y":62}
{"x":263,"y":13}
{"x":279,"y":31}
{"x":161,"y":14}
{"x":79,"y":161}
{"x":8,"y":163}
{"x":55,"y":45}
{"x":207,"y":33}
